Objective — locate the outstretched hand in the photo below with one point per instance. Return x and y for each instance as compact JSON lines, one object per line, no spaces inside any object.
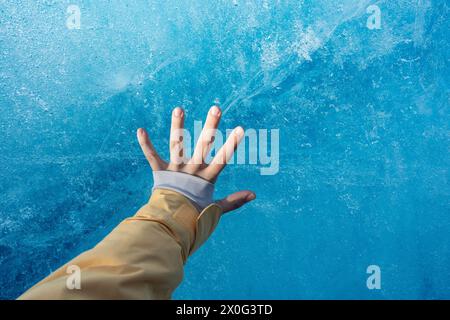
{"x":196,"y":165}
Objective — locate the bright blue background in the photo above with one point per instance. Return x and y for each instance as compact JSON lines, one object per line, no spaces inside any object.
{"x":363,"y":118}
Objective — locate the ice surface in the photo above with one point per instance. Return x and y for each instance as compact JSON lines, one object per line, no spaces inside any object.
{"x":364,"y":125}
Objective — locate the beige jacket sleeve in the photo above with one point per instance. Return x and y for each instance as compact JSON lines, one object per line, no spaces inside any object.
{"x":142,"y":258}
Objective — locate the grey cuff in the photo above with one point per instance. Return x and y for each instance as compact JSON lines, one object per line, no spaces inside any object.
{"x":198,"y":190}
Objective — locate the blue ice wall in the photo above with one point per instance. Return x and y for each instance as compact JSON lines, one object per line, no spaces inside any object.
{"x":363,"y":115}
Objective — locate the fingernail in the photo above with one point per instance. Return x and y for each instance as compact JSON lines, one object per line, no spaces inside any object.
{"x":178,"y":112}
{"x":251,"y":197}
{"x":239,"y":131}
{"x":215,"y":111}
{"x":140,"y":131}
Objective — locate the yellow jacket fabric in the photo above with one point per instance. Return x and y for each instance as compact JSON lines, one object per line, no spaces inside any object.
{"x":142,"y":258}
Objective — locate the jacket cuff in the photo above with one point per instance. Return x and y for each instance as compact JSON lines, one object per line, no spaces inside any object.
{"x":196,"y":189}
{"x":183,"y":221}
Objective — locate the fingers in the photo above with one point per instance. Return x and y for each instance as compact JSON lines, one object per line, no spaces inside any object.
{"x":176,"y":137}
{"x":226,"y":152}
{"x":156,"y":163}
{"x":207,"y":135}
{"x":236,"y":200}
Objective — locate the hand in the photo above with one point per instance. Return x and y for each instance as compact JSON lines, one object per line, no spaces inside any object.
{"x":197,"y":165}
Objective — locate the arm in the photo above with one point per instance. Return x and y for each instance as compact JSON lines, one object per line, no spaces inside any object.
{"x":143,"y":257}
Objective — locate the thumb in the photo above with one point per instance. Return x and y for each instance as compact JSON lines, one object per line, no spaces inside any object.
{"x":236,"y":200}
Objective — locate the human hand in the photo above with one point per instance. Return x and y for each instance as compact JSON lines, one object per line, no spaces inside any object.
{"x":197,"y":166}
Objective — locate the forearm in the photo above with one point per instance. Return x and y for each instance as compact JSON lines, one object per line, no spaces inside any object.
{"x":142,"y":258}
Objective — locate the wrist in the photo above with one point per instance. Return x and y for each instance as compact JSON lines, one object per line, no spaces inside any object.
{"x":178,"y":214}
